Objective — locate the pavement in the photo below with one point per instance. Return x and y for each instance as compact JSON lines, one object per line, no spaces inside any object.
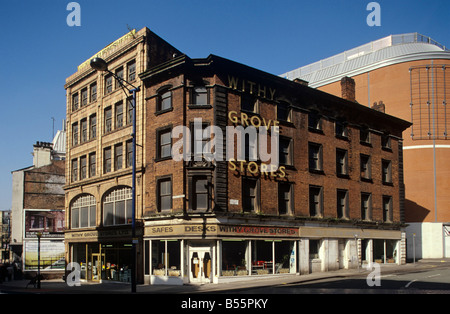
{"x":58,"y":286}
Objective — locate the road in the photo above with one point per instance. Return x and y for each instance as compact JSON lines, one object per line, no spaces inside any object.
{"x":434,"y":279}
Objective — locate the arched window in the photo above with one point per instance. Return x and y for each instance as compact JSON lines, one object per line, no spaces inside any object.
{"x":164,"y":101}
{"x":82,"y":212}
{"x":117,"y":207}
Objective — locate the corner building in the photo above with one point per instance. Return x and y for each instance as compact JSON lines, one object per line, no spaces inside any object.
{"x":336,"y":200}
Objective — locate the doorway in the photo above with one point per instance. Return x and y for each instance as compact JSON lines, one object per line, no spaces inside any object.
{"x":97,"y":262}
{"x":200,"y":265}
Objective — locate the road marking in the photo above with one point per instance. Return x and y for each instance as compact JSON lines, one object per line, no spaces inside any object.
{"x":434,"y":276}
{"x":407,"y":285}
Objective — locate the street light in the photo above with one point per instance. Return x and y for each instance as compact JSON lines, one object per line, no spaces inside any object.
{"x":100,"y":65}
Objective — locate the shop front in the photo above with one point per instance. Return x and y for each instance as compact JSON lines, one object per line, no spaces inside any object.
{"x":213,"y":253}
{"x":102,"y":255}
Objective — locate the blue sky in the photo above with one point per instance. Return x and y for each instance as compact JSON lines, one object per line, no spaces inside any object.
{"x":39,"y":50}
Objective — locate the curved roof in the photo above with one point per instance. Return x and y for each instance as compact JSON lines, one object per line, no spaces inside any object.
{"x":376,"y":54}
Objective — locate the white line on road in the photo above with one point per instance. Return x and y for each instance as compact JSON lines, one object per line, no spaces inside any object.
{"x":407,"y":285}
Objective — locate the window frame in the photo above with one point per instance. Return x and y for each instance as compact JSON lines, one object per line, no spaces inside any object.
{"x":158,"y":193}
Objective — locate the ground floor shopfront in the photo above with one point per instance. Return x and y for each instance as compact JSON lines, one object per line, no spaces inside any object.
{"x":214,"y":252}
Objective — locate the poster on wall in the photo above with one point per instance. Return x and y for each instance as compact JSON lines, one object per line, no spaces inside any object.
{"x":49,"y":223}
{"x":51,"y":255}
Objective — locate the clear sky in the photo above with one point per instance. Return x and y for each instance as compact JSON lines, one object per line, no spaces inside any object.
{"x":38,"y":50}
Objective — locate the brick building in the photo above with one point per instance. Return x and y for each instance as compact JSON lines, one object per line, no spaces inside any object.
{"x":38,"y":207}
{"x":407,"y":76}
{"x":335,"y":199}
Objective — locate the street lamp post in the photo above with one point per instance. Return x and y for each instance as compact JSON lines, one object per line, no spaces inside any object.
{"x":100,"y":65}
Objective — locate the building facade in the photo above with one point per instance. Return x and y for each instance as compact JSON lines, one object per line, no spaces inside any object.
{"x":38,"y":208}
{"x":407,"y":75}
{"x":99,"y":156}
{"x":211,"y":205}
{"x":335,"y":201}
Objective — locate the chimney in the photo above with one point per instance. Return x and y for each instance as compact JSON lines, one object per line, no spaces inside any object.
{"x":301,"y":82}
{"x":379,"y":106}
{"x":42,"y":152}
{"x":348,"y":88}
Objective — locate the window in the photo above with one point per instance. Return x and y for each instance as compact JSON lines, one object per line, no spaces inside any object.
{"x":164,"y":142}
{"x":366,"y":168}
{"x":129,"y":156}
{"x":366,"y":206}
{"x":75,"y":101}
{"x":284,"y":111}
{"x":93,"y":92}
{"x":285,"y":199}
{"x":199,"y":142}
{"x":201,"y":197}
{"x":315,"y":201}
{"x":342,"y":204}
{"x":341,"y":129}
{"x":250,"y":147}
{"x":108,"y":119}
{"x":92,"y":165}
{"x":93,"y":126}
{"x":118,"y":156}
{"x":364,"y":135}
{"x":387,"y":208}
{"x":315,"y":157}
{"x":107,"y":160}
{"x":84,"y":130}
{"x":84,"y":97}
{"x":117,"y":207}
{"x":249,"y":103}
{"x":131,"y":71}
{"x":286,"y":151}
{"x":386,"y":166}
{"x":341,"y":162}
{"x":82,"y":212}
{"x":386,"y":142}
{"x":129,"y":111}
{"x":164,"y":194}
{"x":164,"y":100}
{"x":75,"y":134}
{"x":314,"y":122}
{"x":108,"y":84}
{"x":200,"y":96}
{"x":74,"y":170}
{"x":119,"y":115}
{"x":250,"y":194}
{"x":119,"y":75}
{"x":83,"y":167}
{"x":314,"y":247}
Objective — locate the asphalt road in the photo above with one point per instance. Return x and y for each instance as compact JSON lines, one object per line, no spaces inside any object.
{"x":432,"y":280}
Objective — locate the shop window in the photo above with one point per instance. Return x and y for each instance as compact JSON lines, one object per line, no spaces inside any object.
{"x":284,"y":250}
{"x":166,"y":258}
{"x":262,"y":257}
{"x":234,"y":258}
{"x":82,"y":212}
{"x":117,"y":207}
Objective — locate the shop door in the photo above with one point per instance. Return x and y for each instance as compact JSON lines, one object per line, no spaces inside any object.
{"x":200,"y":265}
{"x":98,"y":260}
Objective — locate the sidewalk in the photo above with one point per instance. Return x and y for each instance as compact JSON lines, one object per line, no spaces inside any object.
{"x":107,"y":287}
